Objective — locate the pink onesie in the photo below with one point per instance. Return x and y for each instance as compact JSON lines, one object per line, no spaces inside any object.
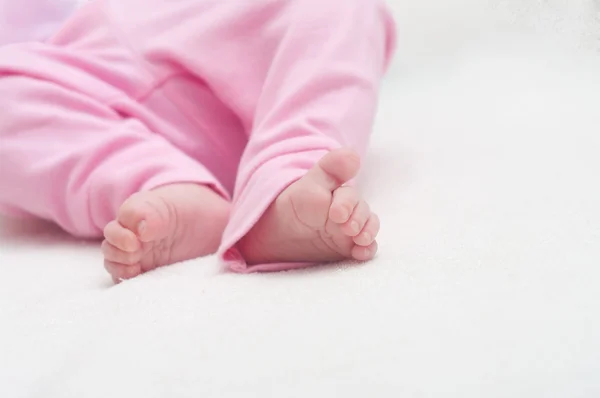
{"x":243,"y":95}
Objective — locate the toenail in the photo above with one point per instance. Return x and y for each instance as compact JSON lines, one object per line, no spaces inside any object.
{"x":355,"y":227}
{"x":345,"y":213}
{"x":367,"y":237}
{"x":141,"y":227}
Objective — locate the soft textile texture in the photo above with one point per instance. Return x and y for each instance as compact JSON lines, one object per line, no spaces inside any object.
{"x":33,"y":20}
{"x":484,"y":167}
{"x":114,"y":103}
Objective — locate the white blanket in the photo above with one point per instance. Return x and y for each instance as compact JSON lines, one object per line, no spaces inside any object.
{"x":485,"y":168}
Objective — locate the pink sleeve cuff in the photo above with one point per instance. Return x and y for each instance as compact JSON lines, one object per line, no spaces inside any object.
{"x":262,"y":188}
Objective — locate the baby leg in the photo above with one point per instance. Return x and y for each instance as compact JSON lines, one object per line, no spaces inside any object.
{"x":309,"y":71}
{"x":73,"y":160}
{"x":303,"y":77}
{"x":320,"y":95}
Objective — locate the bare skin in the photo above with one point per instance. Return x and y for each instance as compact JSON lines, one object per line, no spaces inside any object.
{"x":315,"y":219}
{"x":167,"y":225}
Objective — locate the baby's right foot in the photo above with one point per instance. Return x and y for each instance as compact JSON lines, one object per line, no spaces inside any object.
{"x":167,"y":225}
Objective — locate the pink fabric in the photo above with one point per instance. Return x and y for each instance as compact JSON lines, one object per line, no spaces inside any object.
{"x":32,"y":20}
{"x":133,"y":94}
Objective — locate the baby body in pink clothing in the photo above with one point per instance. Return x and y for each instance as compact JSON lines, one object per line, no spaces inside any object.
{"x":179,"y":129}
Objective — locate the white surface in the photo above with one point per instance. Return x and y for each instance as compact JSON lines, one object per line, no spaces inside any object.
{"x":485,"y":170}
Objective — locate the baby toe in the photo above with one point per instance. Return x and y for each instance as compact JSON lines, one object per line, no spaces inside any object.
{"x":364,"y":253}
{"x":146,"y":214}
{"x":369,"y":232}
{"x":344,"y":201}
{"x":358,"y":219}
{"x":136,"y":213}
{"x":121,"y":237}
{"x":116,"y":255}
{"x":121,"y":272}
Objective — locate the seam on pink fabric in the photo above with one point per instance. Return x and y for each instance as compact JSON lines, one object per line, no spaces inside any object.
{"x":158,"y":81}
{"x":158,"y":84}
{"x":143,"y":64}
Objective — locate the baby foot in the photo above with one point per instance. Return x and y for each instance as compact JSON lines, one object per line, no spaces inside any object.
{"x":316,"y":219}
{"x":169,"y":224}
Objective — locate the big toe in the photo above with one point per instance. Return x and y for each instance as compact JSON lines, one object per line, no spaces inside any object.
{"x":335,"y":169}
{"x":122,"y":238}
{"x":146,"y":215}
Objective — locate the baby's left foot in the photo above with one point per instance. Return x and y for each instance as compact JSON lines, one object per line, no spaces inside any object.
{"x":316,"y":219}
{"x":163,"y":226}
